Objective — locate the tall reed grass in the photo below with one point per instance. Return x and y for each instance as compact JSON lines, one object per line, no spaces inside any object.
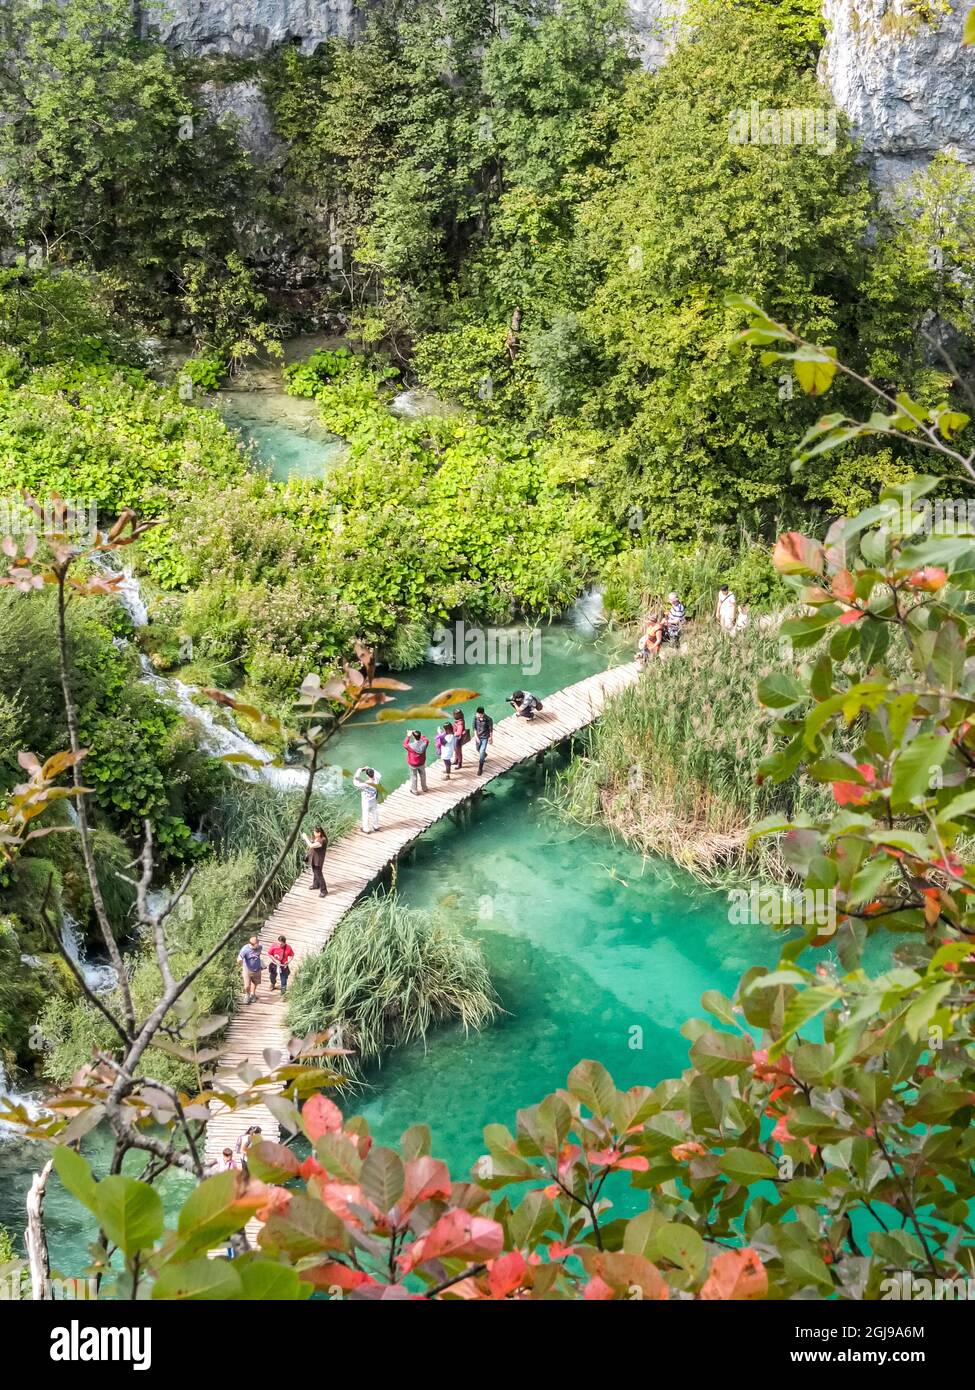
{"x":672,"y":764}
{"x":388,"y":976}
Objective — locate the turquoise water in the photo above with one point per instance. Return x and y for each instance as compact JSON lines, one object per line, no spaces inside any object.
{"x":593,"y":951}
{"x":547,"y":659}
{"x":287,"y":439}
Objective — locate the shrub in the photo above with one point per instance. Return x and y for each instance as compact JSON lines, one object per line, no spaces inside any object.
{"x":387,"y":976}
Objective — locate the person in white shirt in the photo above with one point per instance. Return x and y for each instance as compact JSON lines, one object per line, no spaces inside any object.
{"x":727,"y":609}
{"x":366,"y":780}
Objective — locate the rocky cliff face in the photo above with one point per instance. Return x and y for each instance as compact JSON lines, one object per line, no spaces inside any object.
{"x":248,"y":28}
{"x":908,"y":88}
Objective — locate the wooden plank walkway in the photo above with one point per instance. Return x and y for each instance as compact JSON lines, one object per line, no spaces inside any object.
{"x":354,"y":863}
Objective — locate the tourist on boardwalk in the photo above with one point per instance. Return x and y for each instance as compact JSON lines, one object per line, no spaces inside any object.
{"x":251,"y":1135}
{"x":250,"y":961}
{"x":226,"y":1163}
{"x":524,"y":704}
{"x":281,"y":955}
{"x":416,"y":745}
{"x":651,"y":640}
{"x":317,"y":845}
{"x":676,"y":618}
{"x":483,"y":735}
{"x":366,"y":780}
{"x":727,"y":610}
{"x":461,"y":736}
{"x":446,"y":742}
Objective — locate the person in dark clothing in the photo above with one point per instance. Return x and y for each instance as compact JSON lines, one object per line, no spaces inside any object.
{"x":317,"y":845}
{"x":483,"y":735}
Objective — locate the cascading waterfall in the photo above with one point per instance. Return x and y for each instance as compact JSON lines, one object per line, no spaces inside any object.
{"x":29,"y":1103}
{"x":218,"y":739}
{"x":98,"y":977}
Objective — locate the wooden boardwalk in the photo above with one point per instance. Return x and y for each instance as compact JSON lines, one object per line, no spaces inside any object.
{"x":354,"y":862}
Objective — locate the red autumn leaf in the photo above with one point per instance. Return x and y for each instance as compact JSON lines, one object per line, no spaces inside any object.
{"x":735,"y":1274}
{"x":602,"y":1158}
{"x":795,"y":553}
{"x":635,"y":1163}
{"x":852,"y":615}
{"x":929,"y":579}
{"x":424,"y":1178}
{"x":507,"y":1273}
{"x":311,"y":1168}
{"x":681,"y":1152}
{"x":457,"y":1233}
{"x":597,"y":1290}
{"x":321,"y":1116}
{"x":844,"y":586}
{"x":334,"y":1275}
{"x":853,"y":793}
{"x":557,"y":1251}
{"x":276,"y":1199}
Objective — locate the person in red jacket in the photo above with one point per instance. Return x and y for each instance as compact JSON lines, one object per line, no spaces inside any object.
{"x":281,"y":956}
{"x":416,"y":745}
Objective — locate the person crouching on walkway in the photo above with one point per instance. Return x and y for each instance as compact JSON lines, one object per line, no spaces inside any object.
{"x":366,"y":780}
{"x":446,"y":742}
{"x":483,"y":735}
{"x":250,"y":961}
{"x":416,"y":745}
{"x":317,"y":845}
{"x":281,"y":955}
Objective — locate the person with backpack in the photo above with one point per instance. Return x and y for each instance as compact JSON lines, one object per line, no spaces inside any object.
{"x":366,"y":780}
{"x":416,"y":745}
{"x":249,"y":956}
{"x":281,"y":956}
{"x":461,"y":736}
{"x":483,"y":735}
{"x":317,"y":845}
{"x":446,"y":743}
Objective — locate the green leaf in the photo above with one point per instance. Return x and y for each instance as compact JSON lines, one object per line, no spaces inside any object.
{"x":592,"y":1084}
{"x":129,"y":1212}
{"x":747,"y":1166}
{"x":721,"y":1054}
{"x":804,"y":1005}
{"x":198,"y":1281}
{"x":806,"y":1268}
{"x":210,"y":1214}
{"x":382,"y":1178}
{"x":76,"y":1175}
{"x":272,"y":1162}
{"x":680,"y":1245}
{"x":913,"y":767}
{"x":271,"y":1283}
{"x":781,"y":690}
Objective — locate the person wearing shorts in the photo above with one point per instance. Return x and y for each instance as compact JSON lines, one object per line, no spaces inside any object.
{"x":250,"y":963}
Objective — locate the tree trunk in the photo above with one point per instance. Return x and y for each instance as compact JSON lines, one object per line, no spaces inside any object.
{"x":35,"y":1237}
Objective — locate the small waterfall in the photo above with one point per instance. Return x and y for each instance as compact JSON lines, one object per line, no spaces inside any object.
{"x":218,"y":739}
{"x":130,"y":596}
{"x":215,"y":738}
{"x":588,"y":614}
{"x":98,"y":978}
{"x":29,"y":1103}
